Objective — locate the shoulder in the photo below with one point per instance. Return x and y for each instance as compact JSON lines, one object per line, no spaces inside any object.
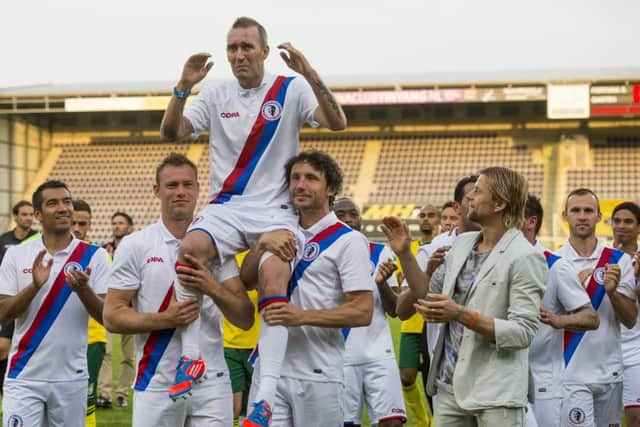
{"x":139,"y":240}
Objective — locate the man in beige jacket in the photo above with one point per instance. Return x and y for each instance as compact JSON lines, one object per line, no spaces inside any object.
{"x":485,"y":295}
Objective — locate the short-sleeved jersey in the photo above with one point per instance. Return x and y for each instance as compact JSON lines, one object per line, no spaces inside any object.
{"x":598,"y":357}
{"x":631,"y":341}
{"x":145,"y":263}
{"x":314,"y":353}
{"x":370,"y":343}
{"x":50,"y":338}
{"x":564,"y":294}
{"x":252,"y":134}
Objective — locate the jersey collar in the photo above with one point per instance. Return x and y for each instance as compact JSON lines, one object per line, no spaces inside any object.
{"x":266,"y":79}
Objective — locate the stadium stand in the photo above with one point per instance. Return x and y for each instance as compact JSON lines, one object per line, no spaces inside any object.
{"x":615,"y":171}
{"x":113,"y":177}
{"x":407,"y":171}
{"x":347,"y":152}
{"x":410,"y":165}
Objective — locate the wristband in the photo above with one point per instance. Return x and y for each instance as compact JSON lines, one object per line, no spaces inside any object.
{"x":181,"y":94}
{"x":459,"y":313}
{"x":474,"y":319}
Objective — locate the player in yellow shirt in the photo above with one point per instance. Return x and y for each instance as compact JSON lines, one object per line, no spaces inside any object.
{"x":97,"y":334}
{"x":238,"y":345}
{"x":411,"y":330}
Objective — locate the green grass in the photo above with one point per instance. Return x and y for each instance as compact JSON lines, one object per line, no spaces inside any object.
{"x":115,"y":417}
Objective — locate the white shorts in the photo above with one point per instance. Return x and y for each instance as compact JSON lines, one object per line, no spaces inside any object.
{"x":235,"y":228}
{"x":46,"y":404}
{"x":210,"y":405}
{"x":631,"y":387}
{"x":305,"y":403}
{"x":588,"y":405}
{"x":546,"y":412}
{"x":378,"y":385}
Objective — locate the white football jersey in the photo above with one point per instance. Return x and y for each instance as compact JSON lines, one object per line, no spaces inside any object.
{"x":145,"y":263}
{"x":252,"y":134}
{"x":598,"y":355}
{"x":50,"y":338}
{"x":631,"y":341}
{"x":370,"y":343}
{"x":564,"y":294}
{"x":335,"y":261}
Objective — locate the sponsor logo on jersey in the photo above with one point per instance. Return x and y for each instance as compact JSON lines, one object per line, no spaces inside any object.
{"x":311,"y":251}
{"x":577,"y":416}
{"x":598,"y":275}
{"x":15,"y":421}
{"x":154,"y":259}
{"x":26,"y":270}
{"x":271,"y":110}
{"x":231,"y":115}
{"x":72,"y":266}
{"x":397,"y":411}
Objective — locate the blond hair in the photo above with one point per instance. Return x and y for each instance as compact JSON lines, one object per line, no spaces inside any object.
{"x":509,"y":187}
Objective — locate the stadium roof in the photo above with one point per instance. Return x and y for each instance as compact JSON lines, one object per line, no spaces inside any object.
{"x":459,"y":78}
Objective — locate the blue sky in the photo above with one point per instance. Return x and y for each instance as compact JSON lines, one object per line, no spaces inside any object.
{"x":73,"y":41}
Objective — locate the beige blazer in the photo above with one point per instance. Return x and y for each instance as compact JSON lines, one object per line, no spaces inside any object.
{"x":509,"y":288}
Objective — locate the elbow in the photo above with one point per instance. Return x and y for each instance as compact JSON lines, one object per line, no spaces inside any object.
{"x":391,"y":312}
{"x":246,"y":321}
{"x":404,"y":313}
{"x":364,"y":314}
{"x":110,"y":321}
{"x":249,"y":280}
{"x":247,"y":324}
{"x":629,"y":323}
{"x":168,"y":133}
{"x":339,"y":125}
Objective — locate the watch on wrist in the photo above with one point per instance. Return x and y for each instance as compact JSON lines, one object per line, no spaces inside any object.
{"x":181,"y":94}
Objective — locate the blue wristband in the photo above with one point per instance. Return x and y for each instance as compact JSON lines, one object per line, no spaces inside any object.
{"x":181,"y":94}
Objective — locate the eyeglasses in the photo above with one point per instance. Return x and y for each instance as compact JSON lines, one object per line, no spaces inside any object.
{"x":81,"y":223}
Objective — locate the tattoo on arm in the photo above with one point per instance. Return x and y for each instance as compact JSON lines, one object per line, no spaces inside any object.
{"x":328,"y":96}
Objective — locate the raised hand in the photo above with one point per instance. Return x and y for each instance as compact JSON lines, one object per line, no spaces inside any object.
{"x":294,"y":59}
{"x":437,"y":259}
{"x":397,"y":234}
{"x":385,"y":270}
{"x":194,"y":70}
{"x":636,"y":265}
{"x":611,"y":277}
{"x":40,"y":271}
{"x":78,"y":280}
{"x":439,"y":308}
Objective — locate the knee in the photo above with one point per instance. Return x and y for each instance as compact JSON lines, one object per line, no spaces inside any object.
{"x":197,"y":244}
